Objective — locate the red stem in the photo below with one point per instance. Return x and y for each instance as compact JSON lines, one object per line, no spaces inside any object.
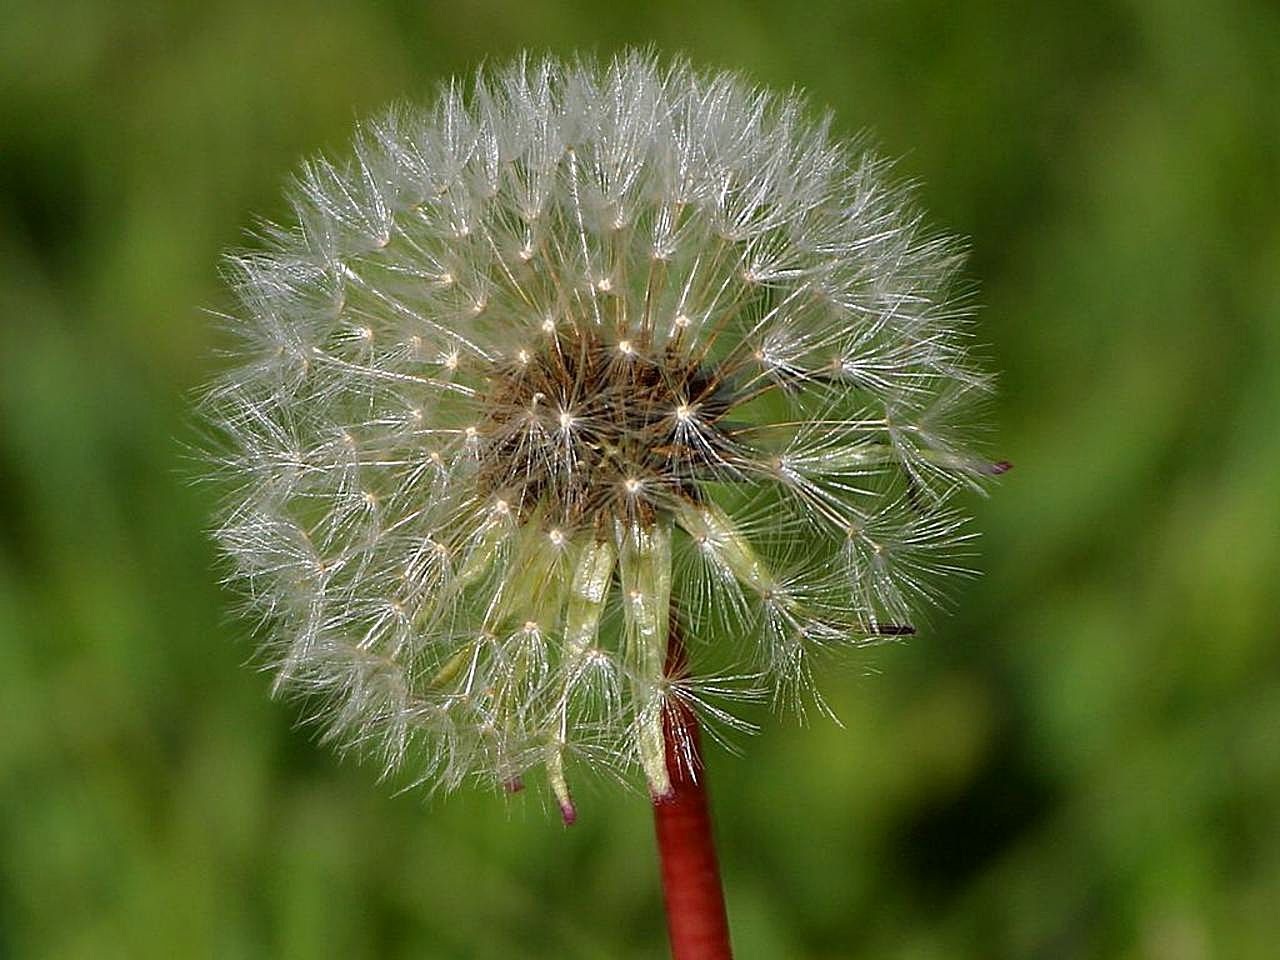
{"x":696,"y":921}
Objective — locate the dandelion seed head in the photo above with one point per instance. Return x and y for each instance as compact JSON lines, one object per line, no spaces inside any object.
{"x":571,"y":349}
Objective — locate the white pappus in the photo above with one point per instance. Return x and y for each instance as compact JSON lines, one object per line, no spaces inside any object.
{"x":582,"y":365}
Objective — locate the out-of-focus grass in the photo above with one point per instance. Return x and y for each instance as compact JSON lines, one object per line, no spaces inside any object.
{"x":1082,"y":761}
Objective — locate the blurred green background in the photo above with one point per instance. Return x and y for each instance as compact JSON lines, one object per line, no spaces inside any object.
{"x":1083,"y":761}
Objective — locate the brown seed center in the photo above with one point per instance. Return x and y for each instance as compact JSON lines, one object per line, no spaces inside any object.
{"x":591,"y":429}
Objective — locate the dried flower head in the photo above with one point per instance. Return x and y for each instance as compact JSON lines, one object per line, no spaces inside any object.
{"x":578,"y":354}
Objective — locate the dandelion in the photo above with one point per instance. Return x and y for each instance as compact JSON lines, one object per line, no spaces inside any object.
{"x":580,"y":403}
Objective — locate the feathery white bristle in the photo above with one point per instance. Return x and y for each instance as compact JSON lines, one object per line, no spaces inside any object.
{"x":577,"y":356}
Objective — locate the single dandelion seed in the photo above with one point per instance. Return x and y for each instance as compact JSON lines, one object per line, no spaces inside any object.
{"x":729,"y":453}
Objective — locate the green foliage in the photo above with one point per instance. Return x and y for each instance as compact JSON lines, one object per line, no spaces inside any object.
{"x":1083,"y":761}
